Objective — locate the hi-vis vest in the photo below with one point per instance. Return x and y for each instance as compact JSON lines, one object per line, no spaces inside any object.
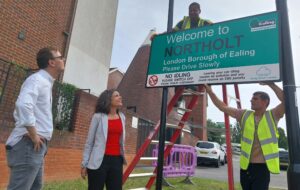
{"x":267,"y":135}
{"x":187,"y":23}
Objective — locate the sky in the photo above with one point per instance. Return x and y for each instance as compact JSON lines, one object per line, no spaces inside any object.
{"x":135,"y":19}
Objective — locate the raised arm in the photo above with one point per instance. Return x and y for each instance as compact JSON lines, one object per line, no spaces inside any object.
{"x":279,"y":110}
{"x":278,"y":91}
{"x":220,"y":104}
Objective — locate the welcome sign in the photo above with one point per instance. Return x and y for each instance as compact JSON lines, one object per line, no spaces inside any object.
{"x":241,"y":50}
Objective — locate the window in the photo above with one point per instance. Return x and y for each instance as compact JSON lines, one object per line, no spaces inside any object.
{"x":206,"y":145}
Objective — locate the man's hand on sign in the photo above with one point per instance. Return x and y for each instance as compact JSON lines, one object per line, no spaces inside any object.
{"x":153,"y":36}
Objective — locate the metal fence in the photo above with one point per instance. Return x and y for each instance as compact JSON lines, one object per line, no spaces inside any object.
{"x":12,"y":77}
{"x":144,"y":129}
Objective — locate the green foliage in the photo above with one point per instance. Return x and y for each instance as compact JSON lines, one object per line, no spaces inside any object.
{"x":236,"y":133}
{"x":13,"y":75}
{"x":19,"y":68}
{"x":282,"y":141}
{"x":19,"y":72}
{"x":215,"y":132}
{"x":63,"y":105}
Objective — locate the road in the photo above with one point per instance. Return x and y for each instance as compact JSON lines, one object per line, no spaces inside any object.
{"x":210,"y":172}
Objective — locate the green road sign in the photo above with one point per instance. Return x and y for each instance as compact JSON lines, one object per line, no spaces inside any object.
{"x":236,"y":51}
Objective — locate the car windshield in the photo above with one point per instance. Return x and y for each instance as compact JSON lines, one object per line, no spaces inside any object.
{"x":206,"y":145}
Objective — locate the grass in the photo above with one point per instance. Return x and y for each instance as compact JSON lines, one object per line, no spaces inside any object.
{"x":200,"y":184}
{"x":78,"y":184}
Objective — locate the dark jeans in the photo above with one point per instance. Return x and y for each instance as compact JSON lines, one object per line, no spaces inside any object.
{"x":256,"y":177}
{"x":109,"y":173}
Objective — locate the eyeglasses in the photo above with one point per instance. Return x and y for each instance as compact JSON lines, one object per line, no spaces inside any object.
{"x":60,"y":58}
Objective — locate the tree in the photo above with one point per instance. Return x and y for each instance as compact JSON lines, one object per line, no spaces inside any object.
{"x":236,"y":133}
{"x":282,"y":140}
{"x":215,"y":132}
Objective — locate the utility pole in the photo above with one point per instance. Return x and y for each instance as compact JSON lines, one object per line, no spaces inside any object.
{"x":291,"y":109}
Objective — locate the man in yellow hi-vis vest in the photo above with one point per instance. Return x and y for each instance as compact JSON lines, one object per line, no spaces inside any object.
{"x":259,"y":140}
{"x":188,"y":22}
{"x":193,"y":20}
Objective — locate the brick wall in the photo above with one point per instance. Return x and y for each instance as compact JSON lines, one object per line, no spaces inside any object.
{"x":65,"y":148}
{"x":42,"y":22}
{"x":4,"y":172}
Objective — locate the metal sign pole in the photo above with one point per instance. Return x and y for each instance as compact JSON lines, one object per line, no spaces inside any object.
{"x":291,"y":109}
{"x":162,"y":130}
{"x":228,"y":143}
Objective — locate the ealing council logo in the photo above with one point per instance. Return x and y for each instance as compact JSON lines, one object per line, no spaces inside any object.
{"x":256,"y":25}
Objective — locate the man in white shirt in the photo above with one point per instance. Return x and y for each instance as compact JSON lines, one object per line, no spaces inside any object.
{"x":27,"y":144}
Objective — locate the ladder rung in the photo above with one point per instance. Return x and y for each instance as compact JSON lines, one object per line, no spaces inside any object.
{"x":156,"y":142}
{"x":141,"y":188}
{"x":149,"y":158}
{"x":142,"y":175}
{"x":188,"y":91}
{"x":175,"y":120}
{"x":231,"y":97}
{"x":184,"y":109}
{"x":172,"y":126}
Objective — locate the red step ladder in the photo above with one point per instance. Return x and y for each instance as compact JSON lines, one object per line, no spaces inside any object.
{"x":149,"y":140}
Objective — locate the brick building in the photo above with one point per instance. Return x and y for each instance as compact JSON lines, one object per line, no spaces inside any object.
{"x":114,"y":78}
{"x":146,"y":102}
{"x":73,"y":27}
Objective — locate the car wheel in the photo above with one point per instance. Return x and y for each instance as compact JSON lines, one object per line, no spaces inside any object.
{"x":225,"y":159}
{"x":198,"y":162}
{"x":218,"y":163}
{"x":223,"y":162}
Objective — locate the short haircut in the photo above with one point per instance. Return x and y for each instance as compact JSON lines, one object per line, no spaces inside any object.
{"x":43,"y":56}
{"x":263,"y":96}
{"x":195,"y":4}
{"x":104,"y":101}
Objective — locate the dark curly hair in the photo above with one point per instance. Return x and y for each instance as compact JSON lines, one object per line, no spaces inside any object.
{"x":104,"y":101}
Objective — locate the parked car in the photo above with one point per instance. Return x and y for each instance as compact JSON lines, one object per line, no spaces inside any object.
{"x":236,"y":148}
{"x":283,"y":158}
{"x":210,"y":153}
{"x":225,"y":154}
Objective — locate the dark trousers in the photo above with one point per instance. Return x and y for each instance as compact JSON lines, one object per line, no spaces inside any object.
{"x":256,"y":177}
{"x":109,"y":173}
